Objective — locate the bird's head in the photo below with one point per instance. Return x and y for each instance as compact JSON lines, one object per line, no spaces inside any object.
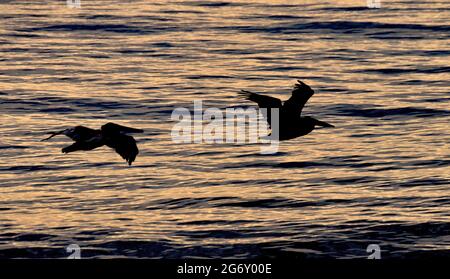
{"x":319,"y":123}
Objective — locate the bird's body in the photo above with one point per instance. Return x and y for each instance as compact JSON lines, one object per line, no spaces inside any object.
{"x":112,"y":135}
{"x":289,"y":124}
{"x":304,"y":127}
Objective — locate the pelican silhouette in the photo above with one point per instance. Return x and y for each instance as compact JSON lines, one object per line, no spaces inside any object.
{"x":291,"y":124}
{"x":111,"y":134}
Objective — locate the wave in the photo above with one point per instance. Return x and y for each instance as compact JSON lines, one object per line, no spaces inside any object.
{"x":391,"y":71}
{"x":374,"y":112}
{"x":59,"y":105}
{"x":119,"y":28}
{"x":338,"y":26}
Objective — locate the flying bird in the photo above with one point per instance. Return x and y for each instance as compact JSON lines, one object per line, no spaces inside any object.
{"x":111,"y":134}
{"x":291,"y":124}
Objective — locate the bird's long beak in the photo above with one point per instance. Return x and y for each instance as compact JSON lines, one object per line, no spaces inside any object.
{"x":52,"y":134}
{"x":324,"y":124}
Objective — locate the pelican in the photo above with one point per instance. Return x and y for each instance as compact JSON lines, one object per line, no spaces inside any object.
{"x":291,"y":123}
{"x":111,"y":134}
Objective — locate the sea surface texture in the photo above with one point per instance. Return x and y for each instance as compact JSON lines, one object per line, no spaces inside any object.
{"x":382,"y":176}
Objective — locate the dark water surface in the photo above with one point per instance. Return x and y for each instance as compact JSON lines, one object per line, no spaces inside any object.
{"x":382,"y":77}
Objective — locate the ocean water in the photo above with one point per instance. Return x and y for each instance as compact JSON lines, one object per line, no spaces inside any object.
{"x":382,"y":176}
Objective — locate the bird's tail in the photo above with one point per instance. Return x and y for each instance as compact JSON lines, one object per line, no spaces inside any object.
{"x":52,"y":134}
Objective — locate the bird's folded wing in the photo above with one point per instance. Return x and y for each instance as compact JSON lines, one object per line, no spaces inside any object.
{"x":300,"y":95}
{"x":125,"y":146}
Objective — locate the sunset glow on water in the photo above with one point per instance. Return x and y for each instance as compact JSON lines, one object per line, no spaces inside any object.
{"x":382,"y":176}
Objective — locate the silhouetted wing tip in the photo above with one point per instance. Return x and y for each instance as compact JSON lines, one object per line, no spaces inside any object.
{"x":129,"y":157}
{"x":303,"y":88}
{"x":245,"y":94}
{"x":300,"y":83}
{"x":125,"y":146}
{"x":70,"y":148}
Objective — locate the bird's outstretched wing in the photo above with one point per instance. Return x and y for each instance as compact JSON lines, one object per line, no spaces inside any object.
{"x":266,"y":103}
{"x":82,"y":145}
{"x":119,"y":129}
{"x":262,"y":100}
{"x":125,"y":146}
{"x":300,"y":95}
